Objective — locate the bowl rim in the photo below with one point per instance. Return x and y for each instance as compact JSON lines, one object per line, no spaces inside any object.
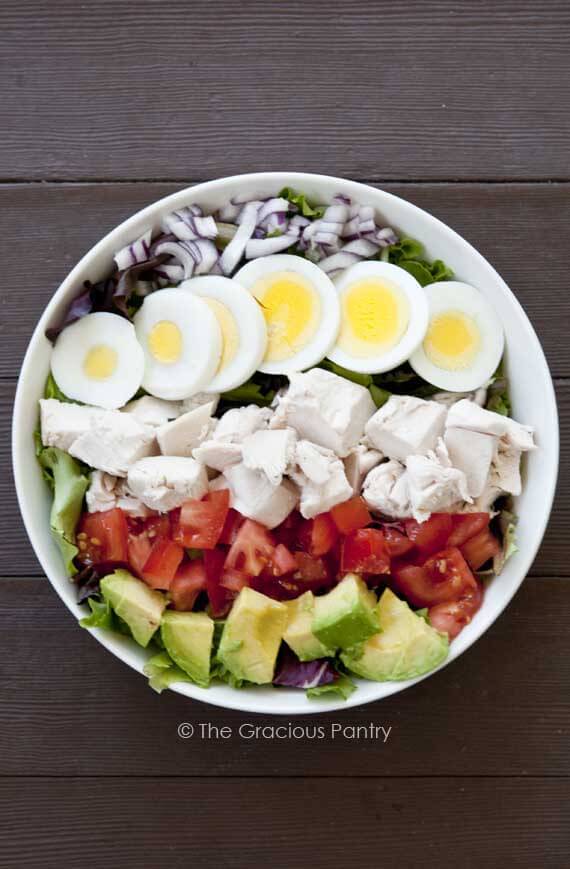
{"x":251,"y":700}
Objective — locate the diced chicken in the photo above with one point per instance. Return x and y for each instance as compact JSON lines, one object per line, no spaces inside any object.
{"x":239,"y":422}
{"x":406,"y":426}
{"x":255,"y":497}
{"x":217,"y":455}
{"x":434,"y":486}
{"x":182,"y":435}
{"x":325,"y":409}
{"x":472,"y":453}
{"x":164,"y":482}
{"x":506,"y":469}
{"x":358,"y":463}
{"x":114,"y":442}
{"x":270,"y":451}
{"x":321,"y":479}
{"x":386,"y":490}
{"x":468,"y":415}
{"x":153,"y":411}
{"x":199,"y":399}
{"x":106,"y":492}
{"x":62,"y":423}
{"x":479,"y":396}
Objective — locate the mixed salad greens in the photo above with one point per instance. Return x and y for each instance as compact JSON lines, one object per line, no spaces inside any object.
{"x":312,"y":522}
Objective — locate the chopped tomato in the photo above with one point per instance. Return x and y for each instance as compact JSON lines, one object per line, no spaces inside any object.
{"x":252,"y":550}
{"x":102,"y":537}
{"x":289,"y":530}
{"x":282,"y":561}
{"x":312,"y":572}
{"x":201,"y":522}
{"x":139,"y":547}
{"x":480,"y":548}
{"x":142,"y":534}
{"x":396,"y":542}
{"x":218,"y":596}
{"x":429,"y":536}
{"x":365,"y":551}
{"x":351,"y":515}
{"x":445,"y":576}
{"x":318,"y":536}
{"x":465,"y":526}
{"x":451,"y":617}
{"x":161,"y":565}
{"x":188,"y":582}
{"x":233,"y":523}
{"x":233,"y":580}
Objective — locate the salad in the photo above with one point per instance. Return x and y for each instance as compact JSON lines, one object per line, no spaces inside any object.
{"x":280,"y":448}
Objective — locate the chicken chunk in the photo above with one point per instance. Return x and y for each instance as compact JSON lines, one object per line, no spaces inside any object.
{"x":468,"y":415}
{"x":325,"y":409}
{"x":106,"y":492}
{"x":182,"y":435}
{"x":255,"y":497}
{"x":472,"y":453}
{"x":321,"y":479}
{"x":153,"y":411}
{"x":386,"y":490}
{"x":434,"y":486}
{"x":270,"y":451}
{"x":358,"y":463}
{"x":164,"y":482}
{"x":406,"y":426}
{"x":62,"y":423}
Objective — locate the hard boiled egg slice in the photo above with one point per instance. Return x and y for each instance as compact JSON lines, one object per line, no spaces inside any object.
{"x":98,"y":360}
{"x":384,"y":315}
{"x":244,"y":335}
{"x":182,"y":343}
{"x":464,"y":341}
{"x":301,"y":310}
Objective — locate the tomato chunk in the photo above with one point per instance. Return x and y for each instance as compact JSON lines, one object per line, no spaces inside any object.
{"x":233,"y":523}
{"x":218,"y":596}
{"x":480,"y":548}
{"x":252,"y":550}
{"x":188,"y":582}
{"x":351,"y":515}
{"x":103,"y":537}
{"x":365,"y":551}
{"x":282,"y":561}
{"x":290,"y":529}
{"x":396,"y":542}
{"x":429,"y":536}
{"x":318,"y":536}
{"x":161,"y":565}
{"x":451,"y":617}
{"x":139,"y":547}
{"x":445,"y":576}
{"x":201,"y":522}
{"x":465,"y":526}
{"x":233,"y":580}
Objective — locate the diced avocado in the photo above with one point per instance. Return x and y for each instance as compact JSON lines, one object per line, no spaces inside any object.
{"x":187,"y":638}
{"x":138,"y":605}
{"x":346,"y":615}
{"x":298,"y":634}
{"x":252,"y":636}
{"x":406,"y":647}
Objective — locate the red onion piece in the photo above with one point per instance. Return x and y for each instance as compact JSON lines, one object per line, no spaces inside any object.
{"x":235,"y":249}
{"x":257,"y":247}
{"x":277,"y":204}
{"x":339,"y":261}
{"x":134,"y":253}
{"x":363,"y":247}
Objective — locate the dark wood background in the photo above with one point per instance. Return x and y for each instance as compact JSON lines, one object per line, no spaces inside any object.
{"x":460,"y":107}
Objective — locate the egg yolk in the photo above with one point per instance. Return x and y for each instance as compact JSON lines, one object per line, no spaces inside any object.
{"x":165,"y":342}
{"x":229,"y":329}
{"x":375,"y":316}
{"x":452,"y":341}
{"x":292,"y":311}
{"x":100,"y":362}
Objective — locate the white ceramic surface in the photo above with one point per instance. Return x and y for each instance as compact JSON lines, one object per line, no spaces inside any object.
{"x":531,"y":390}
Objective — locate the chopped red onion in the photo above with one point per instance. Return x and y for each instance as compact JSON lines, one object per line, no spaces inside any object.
{"x":277,"y":204}
{"x":241,"y":216}
{"x":341,"y":199}
{"x":323,"y":237}
{"x":208,"y":254}
{"x":339,"y":261}
{"x":335,"y":214}
{"x":363,"y":247}
{"x":386,"y":236}
{"x":228,"y":213}
{"x":134,"y":253}
{"x":267,"y":246}
{"x":236,"y":248}
{"x":299,"y":220}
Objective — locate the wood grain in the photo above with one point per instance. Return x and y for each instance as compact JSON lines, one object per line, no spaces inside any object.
{"x":288,"y":824}
{"x":17,"y":557}
{"x":520,"y":228}
{"x":437,"y":90}
{"x":69,"y":708}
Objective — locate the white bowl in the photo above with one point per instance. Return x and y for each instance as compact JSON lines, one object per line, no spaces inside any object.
{"x":531,"y":390}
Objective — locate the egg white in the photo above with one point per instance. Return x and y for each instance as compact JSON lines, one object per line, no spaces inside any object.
{"x":318,"y":346}
{"x":250,"y":324}
{"x":455,"y":296}
{"x":201,"y":343}
{"x":410,"y":290}
{"x":71,"y":351}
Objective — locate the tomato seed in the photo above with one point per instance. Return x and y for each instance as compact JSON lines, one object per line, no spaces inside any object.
{"x":95,"y":541}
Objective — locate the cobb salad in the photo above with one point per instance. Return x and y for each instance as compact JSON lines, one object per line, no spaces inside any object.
{"x":280,"y":447}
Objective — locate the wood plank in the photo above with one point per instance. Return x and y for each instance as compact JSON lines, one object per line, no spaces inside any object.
{"x":18,"y":559}
{"x":98,"y":91}
{"x":67,"y":707}
{"x":518,"y":227}
{"x":286,"y":824}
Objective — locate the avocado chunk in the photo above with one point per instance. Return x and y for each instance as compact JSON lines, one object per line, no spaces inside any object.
{"x":298,"y":634}
{"x":252,"y":636}
{"x":346,"y":615}
{"x":406,"y":646}
{"x":188,"y":638}
{"x":133,"y":601}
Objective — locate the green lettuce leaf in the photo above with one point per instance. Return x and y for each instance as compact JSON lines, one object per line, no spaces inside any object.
{"x":249,"y":393}
{"x":379,"y":396}
{"x":507,"y":521}
{"x":101,"y":615}
{"x":69,"y":485}
{"x":52,"y":390}
{"x":409,"y":255}
{"x":300,"y":200}
{"x":162,"y":672}
{"x":498,"y":393}
{"x":343,"y":687}
{"x":354,"y":376}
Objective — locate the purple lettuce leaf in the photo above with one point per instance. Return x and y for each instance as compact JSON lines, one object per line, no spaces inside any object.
{"x":293,"y":673}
